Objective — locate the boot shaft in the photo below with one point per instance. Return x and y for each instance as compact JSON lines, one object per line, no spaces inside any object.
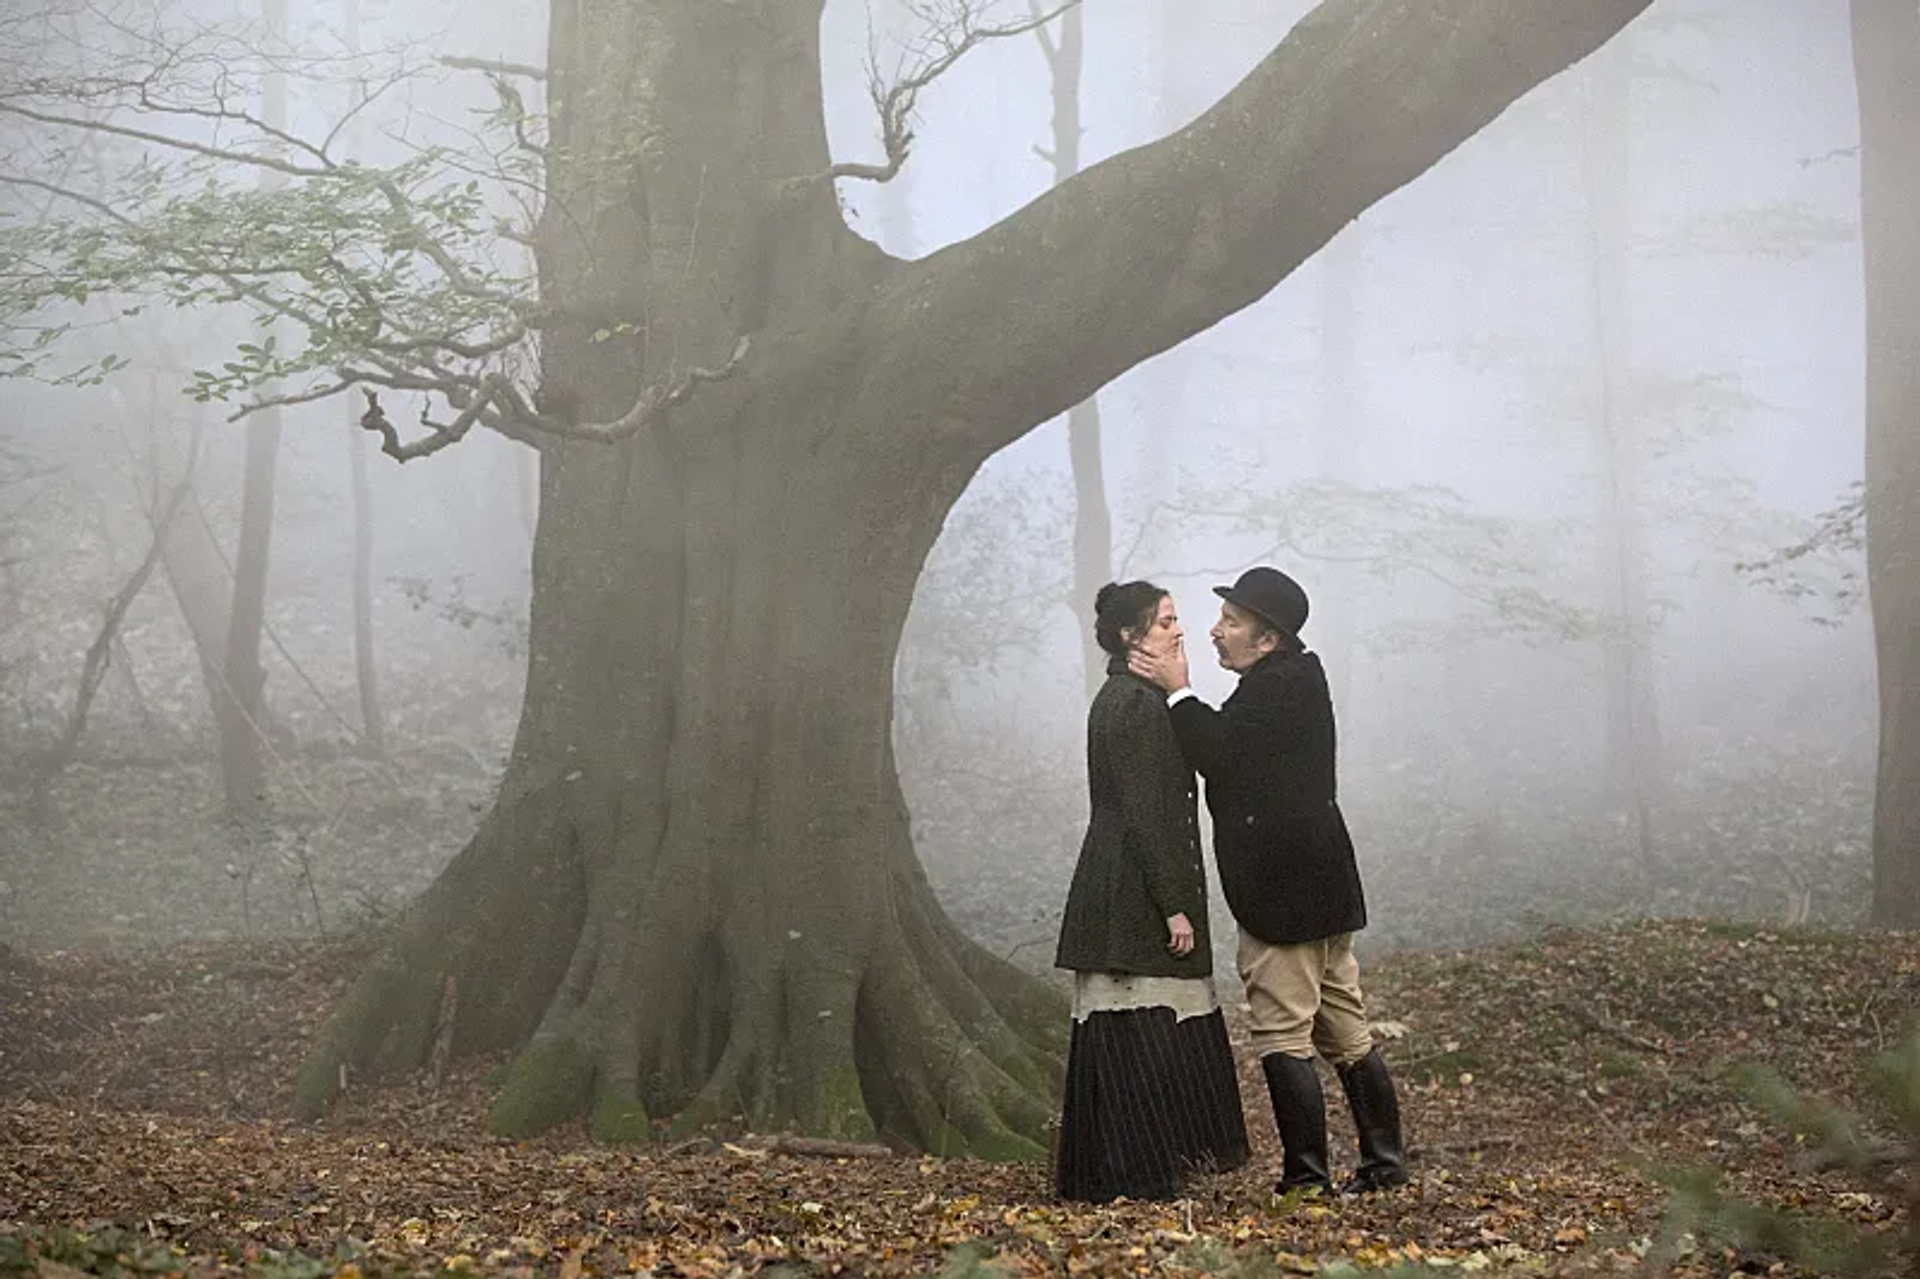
{"x":1300,"y":1114}
{"x":1375,"y":1104}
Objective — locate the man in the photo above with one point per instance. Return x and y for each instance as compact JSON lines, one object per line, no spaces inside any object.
{"x":1287,"y":870}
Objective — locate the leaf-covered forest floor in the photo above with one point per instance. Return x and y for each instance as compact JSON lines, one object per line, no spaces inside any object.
{"x":1546,"y":1086}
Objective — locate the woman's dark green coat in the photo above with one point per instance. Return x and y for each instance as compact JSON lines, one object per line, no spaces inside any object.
{"x":1140,"y":862}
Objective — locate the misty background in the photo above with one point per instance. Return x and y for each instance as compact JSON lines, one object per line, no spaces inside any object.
{"x":1517,"y":431}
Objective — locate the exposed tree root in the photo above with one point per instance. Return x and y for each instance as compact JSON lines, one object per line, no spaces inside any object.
{"x":489,"y":921}
{"x":632,"y":1008}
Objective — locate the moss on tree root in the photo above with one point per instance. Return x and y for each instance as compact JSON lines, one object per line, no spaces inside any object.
{"x":547,"y":1084}
{"x":619,"y":1118}
{"x":844,"y":1106}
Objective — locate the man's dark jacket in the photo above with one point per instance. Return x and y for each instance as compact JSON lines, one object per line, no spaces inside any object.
{"x":1285,"y":858}
{"x":1140,"y":862}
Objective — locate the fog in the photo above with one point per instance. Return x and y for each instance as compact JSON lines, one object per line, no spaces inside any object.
{"x":1533,"y":432}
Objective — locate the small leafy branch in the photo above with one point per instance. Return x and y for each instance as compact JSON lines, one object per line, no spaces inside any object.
{"x":415,"y":276}
{"x":1834,"y":1139}
{"x":1833,"y":551}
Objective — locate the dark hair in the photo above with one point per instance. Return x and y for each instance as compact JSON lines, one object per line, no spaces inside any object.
{"x":1124,"y":606}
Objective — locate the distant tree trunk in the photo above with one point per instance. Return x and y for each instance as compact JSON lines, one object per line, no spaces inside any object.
{"x":1332,"y":631}
{"x":198,"y":576}
{"x":241,"y":714}
{"x":1633,"y":767}
{"x":1092,"y":518}
{"x":697,"y":893}
{"x":1886,"y":53}
{"x":93,"y":668}
{"x":373,"y":720}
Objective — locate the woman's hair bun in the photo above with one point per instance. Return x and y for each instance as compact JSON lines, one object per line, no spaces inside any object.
{"x":1104,"y":597}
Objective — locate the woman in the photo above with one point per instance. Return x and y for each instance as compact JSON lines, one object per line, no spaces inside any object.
{"x":1151,"y":1092}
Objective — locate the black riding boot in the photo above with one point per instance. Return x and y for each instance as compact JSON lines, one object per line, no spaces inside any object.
{"x":1300,"y":1112}
{"x":1376,"y":1117}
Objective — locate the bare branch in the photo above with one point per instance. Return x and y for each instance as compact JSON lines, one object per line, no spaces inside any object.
{"x":654,"y":403}
{"x":495,"y":66}
{"x":1838,"y":153}
{"x":144,"y":100}
{"x":363,"y":101}
{"x":323,"y":391}
{"x":439,"y":437}
{"x":256,"y":160}
{"x":65,"y":193}
{"x":953,"y":34}
{"x":494,"y":401}
{"x":514,"y":109}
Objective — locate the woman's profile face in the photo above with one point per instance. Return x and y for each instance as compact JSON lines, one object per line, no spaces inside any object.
{"x":1163,"y":633}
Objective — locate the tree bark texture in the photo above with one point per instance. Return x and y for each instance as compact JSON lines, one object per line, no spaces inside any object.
{"x":1886,"y":53}
{"x":696,"y":895}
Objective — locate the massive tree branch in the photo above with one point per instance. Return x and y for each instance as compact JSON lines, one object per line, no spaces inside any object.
{"x":1010,"y":328}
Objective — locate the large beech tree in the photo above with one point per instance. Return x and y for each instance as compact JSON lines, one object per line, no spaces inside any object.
{"x":696,"y":895}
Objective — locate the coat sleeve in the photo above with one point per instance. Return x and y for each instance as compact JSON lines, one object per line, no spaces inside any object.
{"x":1144,"y":748}
{"x":1262,"y":718}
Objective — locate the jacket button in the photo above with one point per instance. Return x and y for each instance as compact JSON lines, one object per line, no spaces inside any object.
{"x":1249,"y":819}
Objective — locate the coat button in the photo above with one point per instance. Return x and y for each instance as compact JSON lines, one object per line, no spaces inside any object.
{"x":1249,"y":819}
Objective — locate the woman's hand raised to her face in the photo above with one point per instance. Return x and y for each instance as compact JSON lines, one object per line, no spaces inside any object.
{"x":1180,"y":934}
{"x":1166,"y":668}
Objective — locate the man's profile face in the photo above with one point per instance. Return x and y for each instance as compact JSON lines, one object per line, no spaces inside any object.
{"x":1241,"y":638}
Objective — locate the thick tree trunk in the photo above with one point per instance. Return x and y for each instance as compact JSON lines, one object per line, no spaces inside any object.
{"x":1886,"y":51}
{"x":697,"y":891}
{"x":696,"y":894}
{"x":1633,"y":768}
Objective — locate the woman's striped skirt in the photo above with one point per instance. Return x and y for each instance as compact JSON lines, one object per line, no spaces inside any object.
{"x":1151,"y":1094}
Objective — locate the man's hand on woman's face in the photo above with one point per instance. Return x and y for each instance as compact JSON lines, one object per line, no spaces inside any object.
{"x":1167,"y":669}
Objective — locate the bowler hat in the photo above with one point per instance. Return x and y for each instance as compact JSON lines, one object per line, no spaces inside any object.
{"x":1270,"y":593}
